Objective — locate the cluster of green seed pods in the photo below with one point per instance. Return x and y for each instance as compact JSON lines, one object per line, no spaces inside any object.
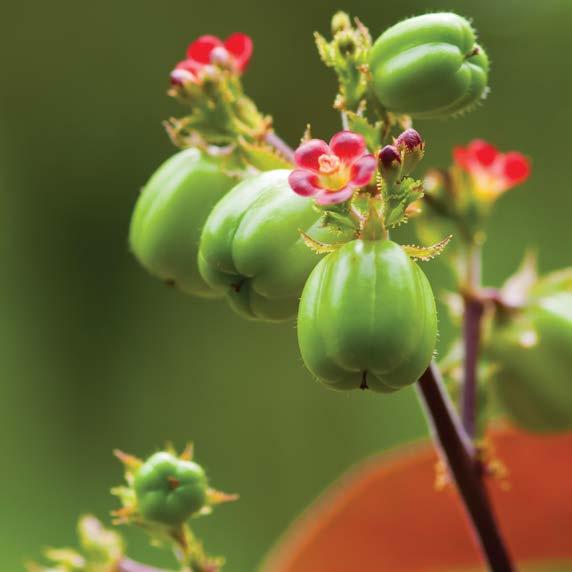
{"x":366,"y":312}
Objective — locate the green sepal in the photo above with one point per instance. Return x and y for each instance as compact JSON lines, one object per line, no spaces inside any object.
{"x":371,"y":132}
{"x":398,"y":197}
{"x":262,"y":156}
{"x":318,"y":247}
{"x":426,"y":253}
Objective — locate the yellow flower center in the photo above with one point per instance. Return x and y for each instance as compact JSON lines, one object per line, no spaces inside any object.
{"x":329,"y":164}
{"x":334,"y":175}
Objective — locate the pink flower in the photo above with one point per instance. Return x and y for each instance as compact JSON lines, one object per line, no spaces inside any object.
{"x":492,"y":172}
{"x":331,"y":172}
{"x":235,"y":51}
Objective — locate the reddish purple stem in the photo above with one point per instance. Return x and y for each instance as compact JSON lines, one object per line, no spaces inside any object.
{"x":457,"y":449}
{"x":280,"y":145}
{"x":471,"y":340}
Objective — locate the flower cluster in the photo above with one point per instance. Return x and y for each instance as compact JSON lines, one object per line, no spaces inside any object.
{"x":491,"y":171}
{"x":233,"y":53}
{"x":331,"y":172}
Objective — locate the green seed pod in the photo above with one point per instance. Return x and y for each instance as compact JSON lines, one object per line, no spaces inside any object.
{"x":429,"y":66}
{"x":169,"y":490}
{"x":367,"y":313}
{"x":532,"y":351}
{"x":251,"y":248}
{"x":169,"y":216}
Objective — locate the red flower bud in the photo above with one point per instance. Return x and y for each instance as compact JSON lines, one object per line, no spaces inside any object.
{"x":389,"y":162}
{"x":412,"y":147}
{"x":409,"y":140}
{"x":389,"y":157}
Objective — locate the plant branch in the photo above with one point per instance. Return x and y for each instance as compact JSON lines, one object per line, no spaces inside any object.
{"x":280,"y":145}
{"x":473,"y":312}
{"x":128,"y":565}
{"x":457,"y":449}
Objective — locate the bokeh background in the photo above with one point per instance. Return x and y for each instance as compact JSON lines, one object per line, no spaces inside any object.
{"x":95,"y":354}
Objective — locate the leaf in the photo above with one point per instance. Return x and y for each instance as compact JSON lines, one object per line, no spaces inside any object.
{"x":263,"y":157}
{"x":371,"y":133}
{"x":318,"y":247}
{"x":426,"y":252}
{"x":325,"y":49}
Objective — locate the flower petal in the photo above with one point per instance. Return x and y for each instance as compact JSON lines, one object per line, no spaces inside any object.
{"x":240,"y":47}
{"x":348,"y":146}
{"x":462,"y":158}
{"x":484,"y":153}
{"x":180,"y":76}
{"x":516,"y":168}
{"x":306,"y":156}
{"x":190,"y":66}
{"x":324,"y":197}
{"x":363,"y":170}
{"x":200,"y":50}
{"x":304,"y":183}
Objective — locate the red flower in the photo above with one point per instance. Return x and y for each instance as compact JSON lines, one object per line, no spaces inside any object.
{"x":493,"y":172}
{"x":235,"y":51}
{"x":331,"y":172}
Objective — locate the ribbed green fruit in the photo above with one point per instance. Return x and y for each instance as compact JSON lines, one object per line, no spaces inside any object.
{"x":367,"y":313}
{"x":170,"y":214}
{"x":429,"y":66}
{"x":251,"y":249}
{"x":532,"y":352}
{"x":169,"y":490}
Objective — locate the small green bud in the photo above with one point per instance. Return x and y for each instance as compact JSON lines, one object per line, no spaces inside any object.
{"x":340,"y":21}
{"x":346,"y":43}
{"x":169,"y":490}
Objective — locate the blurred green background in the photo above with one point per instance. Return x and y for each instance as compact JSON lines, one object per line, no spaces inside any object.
{"x":95,"y":354}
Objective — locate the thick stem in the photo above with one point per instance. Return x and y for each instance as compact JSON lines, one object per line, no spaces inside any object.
{"x":128,"y":565}
{"x":280,"y":145}
{"x":473,"y":311}
{"x":457,"y":449}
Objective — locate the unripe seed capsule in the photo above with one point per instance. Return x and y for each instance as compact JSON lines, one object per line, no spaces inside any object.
{"x":429,"y":66}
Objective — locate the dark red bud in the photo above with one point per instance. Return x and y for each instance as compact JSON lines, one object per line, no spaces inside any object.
{"x":410,"y":140}
{"x":389,"y":157}
{"x":389,"y":162}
